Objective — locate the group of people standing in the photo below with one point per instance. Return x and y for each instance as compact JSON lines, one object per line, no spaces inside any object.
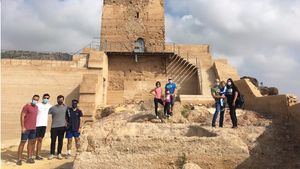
{"x":34,"y":120}
{"x":221,"y":92}
{"x":167,"y":100}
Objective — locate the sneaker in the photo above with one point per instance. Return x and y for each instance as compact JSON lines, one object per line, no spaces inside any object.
{"x":19,"y":162}
{"x":171,"y":113}
{"x":157,"y":117}
{"x":68,"y":156}
{"x":30,"y":160}
{"x":234,"y":127}
{"x":39,"y":158}
{"x":59,"y":157}
{"x":51,"y":156}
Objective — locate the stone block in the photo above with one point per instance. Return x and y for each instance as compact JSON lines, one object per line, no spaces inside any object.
{"x":95,"y":59}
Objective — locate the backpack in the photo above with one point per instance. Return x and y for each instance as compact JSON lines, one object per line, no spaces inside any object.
{"x":240,"y":101}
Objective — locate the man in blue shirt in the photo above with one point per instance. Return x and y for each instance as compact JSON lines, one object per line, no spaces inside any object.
{"x":73,"y":116}
{"x":170,"y":86}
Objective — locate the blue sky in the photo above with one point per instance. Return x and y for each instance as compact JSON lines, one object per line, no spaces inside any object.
{"x":261,"y":38}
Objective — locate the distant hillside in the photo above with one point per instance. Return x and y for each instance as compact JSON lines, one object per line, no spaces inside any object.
{"x":17,"y":54}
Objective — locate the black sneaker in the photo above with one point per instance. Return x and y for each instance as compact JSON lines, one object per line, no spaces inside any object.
{"x":19,"y":162}
{"x":30,"y":160}
{"x":39,"y":158}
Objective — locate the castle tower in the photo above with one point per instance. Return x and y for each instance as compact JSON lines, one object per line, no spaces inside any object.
{"x":133,"y":25}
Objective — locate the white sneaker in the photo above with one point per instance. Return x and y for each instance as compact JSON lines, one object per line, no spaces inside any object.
{"x":59,"y":156}
{"x":157,"y":117}
{"x":68,"y":156}
{"x":51,"y":156}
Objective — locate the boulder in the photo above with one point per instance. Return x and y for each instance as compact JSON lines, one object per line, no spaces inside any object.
{"x":191,"y":166}
{"x":268,"y":91}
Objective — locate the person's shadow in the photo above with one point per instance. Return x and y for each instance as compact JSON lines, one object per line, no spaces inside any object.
{"x":8,"y":155}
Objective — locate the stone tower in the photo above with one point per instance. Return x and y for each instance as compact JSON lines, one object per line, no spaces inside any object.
{"x":133,"y":25}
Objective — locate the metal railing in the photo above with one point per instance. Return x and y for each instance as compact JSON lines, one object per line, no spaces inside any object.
{"x":169,"y":47}
{"x":94,"y":44}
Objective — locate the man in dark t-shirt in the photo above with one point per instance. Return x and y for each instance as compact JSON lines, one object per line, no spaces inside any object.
{"x":73,"y":115}
{"x":232,"y":95}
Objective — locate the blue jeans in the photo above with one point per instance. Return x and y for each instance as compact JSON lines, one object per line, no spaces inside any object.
{"x":218,"y":110}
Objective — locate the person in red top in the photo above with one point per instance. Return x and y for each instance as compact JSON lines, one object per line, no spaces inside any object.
{"x":157,"y":92}
{"x":28,"y":129}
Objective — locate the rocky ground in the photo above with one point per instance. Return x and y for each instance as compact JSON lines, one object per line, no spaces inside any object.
{"x":130,"y":136}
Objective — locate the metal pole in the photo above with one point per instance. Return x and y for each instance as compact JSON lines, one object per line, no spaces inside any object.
{"x":173,"y":47}
{"x":187,"y":55}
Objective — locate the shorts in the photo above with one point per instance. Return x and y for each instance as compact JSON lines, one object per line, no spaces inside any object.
{"x":28,"y":135}
{"x":70,"y":134}
{"x":40,"y":131}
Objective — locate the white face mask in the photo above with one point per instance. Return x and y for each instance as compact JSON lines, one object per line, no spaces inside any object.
{"x":34,"y":102}
{"x":229,"y":83}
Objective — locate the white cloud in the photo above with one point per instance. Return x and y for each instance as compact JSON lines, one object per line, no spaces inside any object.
{"x":260,"y":37}
{"x":50,"y":24}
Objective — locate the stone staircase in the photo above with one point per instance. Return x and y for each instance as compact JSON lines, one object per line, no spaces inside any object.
{"x":190,"y":73}
{"x":183,"y":71}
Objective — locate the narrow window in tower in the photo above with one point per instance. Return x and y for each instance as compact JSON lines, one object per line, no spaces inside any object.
{"x":137,"y":15}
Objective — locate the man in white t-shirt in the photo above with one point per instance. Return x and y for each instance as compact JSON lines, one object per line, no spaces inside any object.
{"x":41,"y":123}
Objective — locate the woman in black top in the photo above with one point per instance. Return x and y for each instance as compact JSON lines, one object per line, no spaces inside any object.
{"x":232,"y":95}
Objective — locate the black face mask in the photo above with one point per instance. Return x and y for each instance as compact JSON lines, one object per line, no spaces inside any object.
{"x":60,"y":102}
{"x":74,"y":105}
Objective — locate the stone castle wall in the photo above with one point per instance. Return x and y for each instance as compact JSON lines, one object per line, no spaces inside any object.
{"x":123,"y":22}
{"x":21,"y":79}
{"x":130,"y":80}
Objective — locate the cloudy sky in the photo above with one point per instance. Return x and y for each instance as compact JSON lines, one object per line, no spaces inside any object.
{"x":261,"y":38}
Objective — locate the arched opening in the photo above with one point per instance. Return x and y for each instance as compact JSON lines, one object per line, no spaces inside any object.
{"x":139,"y":45}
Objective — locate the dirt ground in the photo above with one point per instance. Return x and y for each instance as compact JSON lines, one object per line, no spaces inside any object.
{"x":9,"y":151}
{"x":130,"y":136}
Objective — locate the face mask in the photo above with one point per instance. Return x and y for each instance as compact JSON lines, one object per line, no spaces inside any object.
{"x":34,"y":102}
{"x":45,"y":101}
{"x":229,"y":83}
{"x":74,"y":105}
{"x":217,"y":84}
{"x":60,"y":102}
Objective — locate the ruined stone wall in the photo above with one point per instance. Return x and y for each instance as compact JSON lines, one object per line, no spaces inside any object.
{"x":275,"y":105}
{"x":124,"y":21}
{"x":294,"y":117}
{"x":224,"y":70}
{"x":129,"y":80}
{"x":21,"y":79}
